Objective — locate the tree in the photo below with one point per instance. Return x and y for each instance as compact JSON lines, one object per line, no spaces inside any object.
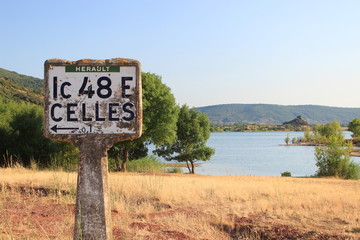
{"x":333,"y":159}
{"x":21,"y":135}
{"x":287,"y":139}
{"x":193,"y":131}
{"x":324,"y":132}
{"x":354,"y":127}
{"x":123,"y":151}
{"x":307,"y":135}
{"x":159,"y":121}
{"x":26,"y":135}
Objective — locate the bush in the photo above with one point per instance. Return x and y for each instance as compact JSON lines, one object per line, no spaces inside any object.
{"x":353,"y":171}
{"x":67,"y":159}
{"x":354,"y":127}
{"x":328,"y":132}
{"x":333,"y":160}
{"x":286,"y":174}
{"x":145,"y":165}
{"x":174,"y":170}
{"x":287,"y":139}
{"x":21,"y":135}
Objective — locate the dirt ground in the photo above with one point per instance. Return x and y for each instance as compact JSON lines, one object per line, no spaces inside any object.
{"x":42,"y":217}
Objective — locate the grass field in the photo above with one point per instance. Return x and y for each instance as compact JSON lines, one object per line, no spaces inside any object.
{"x":40,"y":205}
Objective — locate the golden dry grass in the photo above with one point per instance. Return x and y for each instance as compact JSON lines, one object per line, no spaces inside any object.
{"x":316,"y":204}
{"x":199,"y":207}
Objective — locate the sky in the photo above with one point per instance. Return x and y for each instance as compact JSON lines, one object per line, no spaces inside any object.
{"x":287,"y":52}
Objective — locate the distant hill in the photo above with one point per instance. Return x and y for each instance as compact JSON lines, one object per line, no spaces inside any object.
{"x":18,"y":87}
{"x":277,"y":114}
{"x":27,"y":81}
{"x":12,"y":91}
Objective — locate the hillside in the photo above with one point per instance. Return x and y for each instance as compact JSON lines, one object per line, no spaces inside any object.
{"x":23,"y":80}
{"x":18,"y":87}
{"x":277,"y":114}
{"x":12,"y":91}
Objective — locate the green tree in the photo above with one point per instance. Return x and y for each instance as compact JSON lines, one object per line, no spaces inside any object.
{"x":322,"y":133}
{"x":333,"y":159}
{"x":354,"y":127}
{"x":121,"y":152}
{"x":193,"y":131}
{"x":160,"y":114}
{"x":26,"y":133}
{"x":307,"y":135}
{"x":21,"y":134}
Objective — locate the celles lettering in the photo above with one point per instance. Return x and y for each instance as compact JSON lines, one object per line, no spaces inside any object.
{"x":79,"y":112}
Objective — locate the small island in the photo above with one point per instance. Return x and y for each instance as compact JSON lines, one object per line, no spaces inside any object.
{"x":320,"y":135}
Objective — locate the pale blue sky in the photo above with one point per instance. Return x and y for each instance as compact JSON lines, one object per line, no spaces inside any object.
{"x":287,"y":52}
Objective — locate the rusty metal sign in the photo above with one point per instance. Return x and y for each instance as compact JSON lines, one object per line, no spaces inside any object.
{"x":93,"y":97}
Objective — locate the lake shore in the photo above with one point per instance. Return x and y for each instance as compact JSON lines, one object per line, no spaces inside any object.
{"x":355,"y":152}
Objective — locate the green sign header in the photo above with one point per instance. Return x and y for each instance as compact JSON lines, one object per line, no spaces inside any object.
{"x":92,"y":69}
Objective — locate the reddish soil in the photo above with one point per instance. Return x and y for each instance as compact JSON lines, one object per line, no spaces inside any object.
{"x":34,"y":217}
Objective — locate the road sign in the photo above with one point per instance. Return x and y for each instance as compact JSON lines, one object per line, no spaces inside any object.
{"x":93,"y":103}
{"x":92,"y":97}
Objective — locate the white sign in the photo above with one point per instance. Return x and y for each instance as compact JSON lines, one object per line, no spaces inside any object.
{"x":92,"y":99}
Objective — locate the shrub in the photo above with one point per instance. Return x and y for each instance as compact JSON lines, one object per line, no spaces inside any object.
{"x":333,"y":160}
{"x":174,"y":170}
{"x":286,"y":174}
{"x":354,"y":127}
{"x":21,"y":136}
{"x":66,"y":159}
{"x":328,"y":132}
{"x":287,"y":139}
{"x":307,"y":135}
{"x":145,"y":165}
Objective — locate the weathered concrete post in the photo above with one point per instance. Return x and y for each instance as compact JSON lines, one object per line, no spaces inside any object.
{"x":93,"y":210}
{"x":93,"y":104}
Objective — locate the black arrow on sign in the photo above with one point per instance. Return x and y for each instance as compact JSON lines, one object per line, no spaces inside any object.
{"x":55,"y":128}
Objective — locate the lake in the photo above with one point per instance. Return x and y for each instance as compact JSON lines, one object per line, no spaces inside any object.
{"x":258,"y":154}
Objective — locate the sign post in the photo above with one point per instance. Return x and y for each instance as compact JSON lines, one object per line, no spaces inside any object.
{"x":93,"y":104}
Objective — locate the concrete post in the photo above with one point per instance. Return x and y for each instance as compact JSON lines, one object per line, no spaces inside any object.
{"x":93,"y":210}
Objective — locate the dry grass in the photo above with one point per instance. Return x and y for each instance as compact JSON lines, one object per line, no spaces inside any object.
{"x":314,"y":204}
{"x":174,"y":206}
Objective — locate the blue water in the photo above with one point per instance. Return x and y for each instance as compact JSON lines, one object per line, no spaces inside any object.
{"x":258,"y":154}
